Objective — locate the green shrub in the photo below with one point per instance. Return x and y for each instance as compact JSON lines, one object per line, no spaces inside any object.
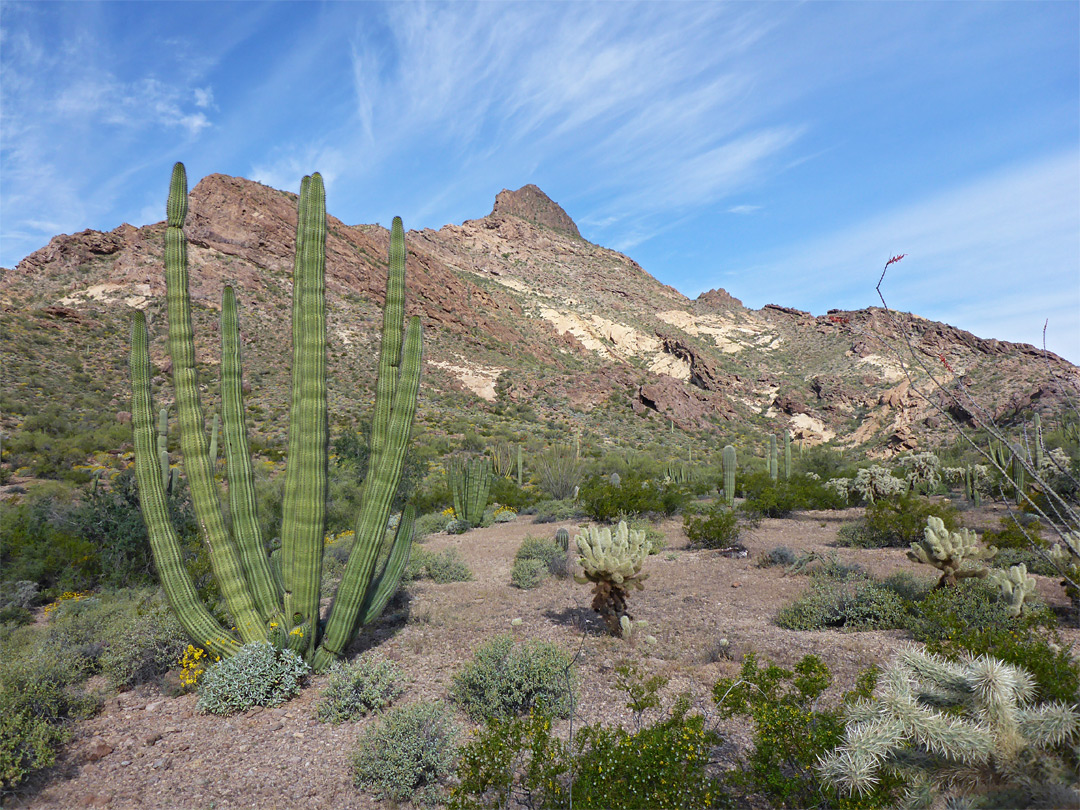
{"x":555,"y":511}
{"x":368,"y":684}
{"x":896,"y":522}
{"x":258,"y":675}
{"x":142,"y":643}
{"x":857,"y":605}
{"x":605,"y":502}
{"x":431,"y":523}
{"x":505,"y":679}
{"x":407,"y":755}
{"x":440,"y":567}
{"x":716,"y":527}
{"x":907,"y":586}
{"x":507,"y":492}
{"x":528,"y":574}
{"x":777,"y":499}
{"x":791,"y":733}
{"x":779,"y":555}
{"x":653,"y":536}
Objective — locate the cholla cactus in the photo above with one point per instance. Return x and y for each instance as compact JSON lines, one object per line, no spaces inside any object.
{"x":875,"y":482}
{"x":1015,"y":585}
{"x":924,"y":471}
{"x":966,"y":729}
{"x":841,"y":485}
{"x":951,"y":552}
{"x":613,"y":564}
{"x":1066,"y":556}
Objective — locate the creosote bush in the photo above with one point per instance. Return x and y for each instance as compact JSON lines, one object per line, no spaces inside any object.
{"x":258,"y":675}
{"x":715,"y":527}
{"x":896,"y":522}
{"x":368,"y":684}
{"x":536,"y":558}
{"x":440,"y":567}
{"x":506,"y":679}
{"x":408,"y":754}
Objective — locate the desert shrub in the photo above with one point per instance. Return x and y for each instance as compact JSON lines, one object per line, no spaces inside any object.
{"x":605,"y":502}
{"x":407,"y":755}
{"x":441,"y":567}
{"x":368,"y":684}
{"x":780,"y":555}
{"x":716,"y":527}
{"x":791,"y":733}
{"x":142,"y":643}
{"x":507,"y":492}
{"x":969,"y":605}
{"x":858,"y":605}
{"x":559,"y":471}
{"x":528,"y":573}
{"x":22,"y":594}
{"x":38,"y":705}
{"x":653,"y":536}
{"x":544,"y":550}
{"x":661,"y":765}
{"x":557,"y":511}
{"x":431,"y":523}
{"x":777,"y":499}
{"x":258,"y":675}
{"x":907,"y":586}
{"x":505,"y":679}
{"x":512,"y":761}
{"x":896,"y":522}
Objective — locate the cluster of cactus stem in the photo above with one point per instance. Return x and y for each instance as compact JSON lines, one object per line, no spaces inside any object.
{"x":876,"y":482}
{"x":502,"y":459}
{"x":612,"y":562}
{"x":968,"y":729}
{"x":955,"y":554}
{"x":971,"y":486}
{"x":268,"y":602}
{"x":1015,"y":586}
{"x":729,"y":460}
{"x":678,"y":473}
{"x":470,"y":482}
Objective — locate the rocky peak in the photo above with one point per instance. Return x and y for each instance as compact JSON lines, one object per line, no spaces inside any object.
{"x":533,"y":205}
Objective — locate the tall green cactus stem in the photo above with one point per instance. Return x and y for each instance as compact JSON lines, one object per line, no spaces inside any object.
{"x":729,"y":474}
{"x":952,"y":553}
{"x":213,"y":441}
{"x":1019,"y":476}
{"x":470,"y":481}
{"x":787,"y":456}
{"x":270,"y":598}
{"x":520,"y":467}
{"x":773,"y":472}
{"x":562,"y":539}
{"x":163,"y":445}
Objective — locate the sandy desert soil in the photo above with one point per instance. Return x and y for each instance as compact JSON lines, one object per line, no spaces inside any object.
{"x":148,"y":751}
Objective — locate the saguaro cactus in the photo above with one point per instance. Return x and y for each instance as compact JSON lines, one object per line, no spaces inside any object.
{"x":282,"y":609}
{"x":787,"y":456}
{"x":773,"y":472}
{"x":729,"y":474}
{"x":470,"y":481}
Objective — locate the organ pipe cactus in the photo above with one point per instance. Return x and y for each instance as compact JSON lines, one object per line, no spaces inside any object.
{"x":612,"y":562}
{"x":967,"y":729}
{"x":729,"y":475}
{"x":269,"y":605}
{"x":952,"y":553}
{"x":470,"y":481}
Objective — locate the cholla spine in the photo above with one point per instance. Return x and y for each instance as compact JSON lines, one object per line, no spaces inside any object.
{"x":951,"y":552}
{"x":1015,"y":584}
{"x":968,"y":725}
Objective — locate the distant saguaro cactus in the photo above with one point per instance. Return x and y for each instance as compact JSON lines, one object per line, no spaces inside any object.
{"x":773,"y":472}
{"x":729,"y":459}
{"x":787,"y":456}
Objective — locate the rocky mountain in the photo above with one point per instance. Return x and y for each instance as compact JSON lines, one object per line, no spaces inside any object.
{"x":530,"y":330}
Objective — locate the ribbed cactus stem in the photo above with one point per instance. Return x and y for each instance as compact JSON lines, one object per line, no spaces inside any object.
{"x":520,"y":467}
{"x":214,"y":440}
{"x":562,"y":539}
{"x":787,"y":456}
{"x":470,"y":482}
{"x":1038,"y":442}
{"x":163,"y":445}
{"x":729,"y":460}
{"x":773,"y":472}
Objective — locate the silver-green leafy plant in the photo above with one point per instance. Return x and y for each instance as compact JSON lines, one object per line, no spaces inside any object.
{"x":368,"y":684}
{"x":278,"y":603}
{"x":956,"y":554}
{"x":612,"y":562}
{"x":259,"y":674}
{"x":962,"y":731}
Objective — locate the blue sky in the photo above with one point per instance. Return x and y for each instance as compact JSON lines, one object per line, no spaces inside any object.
{"x":780,"y":151}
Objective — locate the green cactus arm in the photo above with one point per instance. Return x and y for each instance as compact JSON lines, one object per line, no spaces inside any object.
{"x":382,"y":587}
{"x":224,"y":559}
{"x":213,"y":441}
{"x":379,"y":489}
{"x":304,"y":503}
{"x":196,"y":620}
{"x":264,"y":586}
{"x":163,"y":445}
{"x":390,"y":350}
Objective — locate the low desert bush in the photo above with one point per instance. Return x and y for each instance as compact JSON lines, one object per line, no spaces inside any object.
{"x":507,"y":679}
{"x":431,"y":523}
{"x":528,"y":573}
{"x":142,"y":643}
{"x":258,"y":675}
{"x":715,"y":527}
{"x":407,"y":755}
{"x":896,"y":522}
{"x":535,"y":559}
{"x":780,"y":555}
{"x":606,"y":502}
{"x":791,"y":733}
{"x":852,"y":605}
{"x":777,"y":499}
{"x":563,"y":511}
{"x":440,"y":567}
{"x":368,"y":684}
